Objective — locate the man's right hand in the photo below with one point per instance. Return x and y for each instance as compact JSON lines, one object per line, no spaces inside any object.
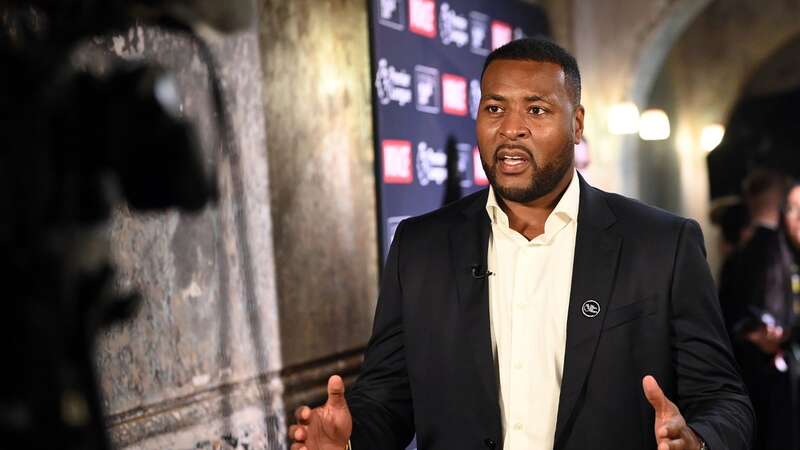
{"x":327,"y":427}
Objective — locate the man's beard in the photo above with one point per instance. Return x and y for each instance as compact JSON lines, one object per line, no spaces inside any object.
{"x":544,"y":179}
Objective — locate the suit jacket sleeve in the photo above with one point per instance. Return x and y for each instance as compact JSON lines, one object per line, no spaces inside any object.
{"x":380,"y":400}
{"x":711,"y":395}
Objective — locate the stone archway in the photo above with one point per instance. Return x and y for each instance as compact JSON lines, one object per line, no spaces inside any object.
{"x":700,"y":81}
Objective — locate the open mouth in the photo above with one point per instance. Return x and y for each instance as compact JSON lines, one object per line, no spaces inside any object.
{"x":512,"y":161}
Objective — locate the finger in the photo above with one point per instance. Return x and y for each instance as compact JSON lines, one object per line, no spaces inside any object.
{"x":677,"y":444}
{"x":297,"y":447}
{"x":299,"y":434}
{"x":670,"y":430}
{"x":302,"y":414}
{"x":336,"y":393}
{"x":655,"y":396}
{"x":292,"y":429}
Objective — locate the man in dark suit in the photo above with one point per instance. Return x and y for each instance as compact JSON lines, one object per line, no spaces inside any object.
{"x":539,"y":313}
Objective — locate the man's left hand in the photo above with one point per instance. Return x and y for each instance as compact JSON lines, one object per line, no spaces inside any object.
{"x":671,"y":430}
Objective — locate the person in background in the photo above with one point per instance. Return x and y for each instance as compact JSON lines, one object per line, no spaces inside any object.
{"x":763,"y":191}
{"x":730,"y":214}
{"x":760,"y":295}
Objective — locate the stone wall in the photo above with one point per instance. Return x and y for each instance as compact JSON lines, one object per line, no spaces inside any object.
{"x":317,"y":98}
{"x":199,"y":365}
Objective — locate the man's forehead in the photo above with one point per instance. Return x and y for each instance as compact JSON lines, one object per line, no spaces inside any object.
{"x":539,"y":76}
{"x":500,"y":67}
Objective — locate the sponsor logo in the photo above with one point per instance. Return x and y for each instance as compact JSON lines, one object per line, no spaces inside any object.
{"x":479,"y":33}
{"x":391,"y":84}
{"x":464,"y":159}
{"x":397,"y":168}
{"x":474,"y":97}
{"x":452,"y":27}
{"x":391,"y":13}
{"x":431,"y":164}
{"x":454,"y":94}
{"x":477,"y":168}
{"x":422,"y":17}
{"x":391,"y":228}
{"x":501,"y":33}
{"x":426,"y":83}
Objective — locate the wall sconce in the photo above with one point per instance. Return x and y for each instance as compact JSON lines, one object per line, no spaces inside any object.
{"x":711,"y":136}
{"x":654,"y":125}
{"x":623,"y":118}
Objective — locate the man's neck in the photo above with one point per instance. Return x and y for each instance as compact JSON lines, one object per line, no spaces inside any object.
{"x":528,"y":219}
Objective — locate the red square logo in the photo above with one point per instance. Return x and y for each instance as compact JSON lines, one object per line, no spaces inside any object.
{"x":477,"y":168}
{"x":454,"y":94}
{"x":501,"y":33}
{"x":422,"y":17}
{"x":397,"y":166}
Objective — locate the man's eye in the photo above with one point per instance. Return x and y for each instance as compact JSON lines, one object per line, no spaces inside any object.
{"x":536,"y":110}
{"x":493,"y":109}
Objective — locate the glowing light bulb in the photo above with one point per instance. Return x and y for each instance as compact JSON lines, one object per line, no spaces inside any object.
{"x":654,"y":125}
{"x":623,"y":118}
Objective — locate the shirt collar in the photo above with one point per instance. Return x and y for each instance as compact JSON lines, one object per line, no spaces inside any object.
{"x":566,"y":210}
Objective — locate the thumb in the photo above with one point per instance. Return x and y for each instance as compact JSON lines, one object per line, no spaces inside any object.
{"x":336,"y":393}
{"x":656,"y":396}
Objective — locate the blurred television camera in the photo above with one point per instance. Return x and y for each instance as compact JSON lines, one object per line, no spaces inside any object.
{"x":73,"y":145}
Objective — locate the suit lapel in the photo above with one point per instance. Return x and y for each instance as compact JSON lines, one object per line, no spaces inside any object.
{"x":469,"y":241}
{"x":594,"y":269}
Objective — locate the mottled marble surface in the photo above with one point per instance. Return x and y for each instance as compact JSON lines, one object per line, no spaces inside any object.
{"x":319,"y":138}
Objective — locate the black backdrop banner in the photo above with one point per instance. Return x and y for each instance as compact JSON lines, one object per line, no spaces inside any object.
{"x":427,"y":57}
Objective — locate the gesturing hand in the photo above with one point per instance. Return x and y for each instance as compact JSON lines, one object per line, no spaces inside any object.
{"x":327,"y":427}
{"x":671,"y":430}
{"x":768,"y":338}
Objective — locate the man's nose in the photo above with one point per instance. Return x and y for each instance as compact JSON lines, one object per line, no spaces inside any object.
{"x":514,"y":127}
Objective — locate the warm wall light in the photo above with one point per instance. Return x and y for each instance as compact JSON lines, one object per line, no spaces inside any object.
{"x":654,"y":125}
{"x":711,"y":136}
{"x":623,"y":118}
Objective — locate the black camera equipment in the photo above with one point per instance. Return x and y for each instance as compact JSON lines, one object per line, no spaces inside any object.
{"x":72,"y":146}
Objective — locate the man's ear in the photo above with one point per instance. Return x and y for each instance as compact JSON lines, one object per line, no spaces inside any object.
{"x":577,"y":123}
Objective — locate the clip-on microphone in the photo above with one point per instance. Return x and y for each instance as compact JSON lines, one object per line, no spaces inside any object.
{"x":477,"y":273}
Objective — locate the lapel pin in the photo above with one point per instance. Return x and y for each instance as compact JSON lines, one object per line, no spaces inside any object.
{"x":590,"y":308}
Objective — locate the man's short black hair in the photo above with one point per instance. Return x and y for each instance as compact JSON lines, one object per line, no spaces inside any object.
{"x":541,"y":50}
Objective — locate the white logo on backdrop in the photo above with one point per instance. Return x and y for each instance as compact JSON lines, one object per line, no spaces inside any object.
{"x":427,"y":87}
{"x":397,"y":166}
{"x":392,"y":85}
{"x":478,"y":33}
{"x":454,"y":94}
{"x":392,"y":14}
{"x":464,"y":159}
{"x":502,"y":33}
{"x":474,"y":97}
{"x":452,"y":27}
{"x":422,"y":17}
{"x":431,"y":164}
{"x":518,"y":33}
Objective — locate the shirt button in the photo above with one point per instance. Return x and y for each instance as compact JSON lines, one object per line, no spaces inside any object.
{"x":518,"y":426}
{"x":518,"y":365}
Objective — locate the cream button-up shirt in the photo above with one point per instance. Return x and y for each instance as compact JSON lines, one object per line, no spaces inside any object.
{"x":528,"y":303}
